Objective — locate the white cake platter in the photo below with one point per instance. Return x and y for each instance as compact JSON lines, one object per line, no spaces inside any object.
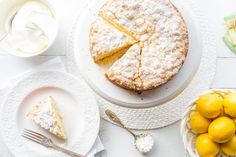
{"x":154,"y":108}
{"x":94,"y":73}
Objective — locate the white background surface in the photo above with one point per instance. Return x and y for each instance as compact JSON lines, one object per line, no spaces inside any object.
{"x":118,"y":142}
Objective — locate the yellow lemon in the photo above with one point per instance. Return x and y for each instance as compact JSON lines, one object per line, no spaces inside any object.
{"x":230,"y":104}
{"x":229,"y":148}
{"x":210,"y":105}
{"x":222,"y":129}
{"x":198,"y":123}
{"x":206,"y":147}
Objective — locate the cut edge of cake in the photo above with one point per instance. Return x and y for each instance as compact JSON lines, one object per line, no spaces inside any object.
{"x":118,"y":26}
{"x":101,"y":30}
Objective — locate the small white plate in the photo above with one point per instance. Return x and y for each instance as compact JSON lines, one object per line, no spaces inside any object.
{"x":94,"y":74}
{"x":75,"y":102}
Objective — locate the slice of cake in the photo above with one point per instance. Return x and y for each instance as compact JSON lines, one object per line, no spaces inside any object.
{"x":124,"y":72}
{"x":105,"y":40}
{"x":46,"y":115}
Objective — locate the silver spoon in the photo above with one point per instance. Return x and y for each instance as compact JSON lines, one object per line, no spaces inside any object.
{"x":9,"y":25}
{"x":143,"y":142}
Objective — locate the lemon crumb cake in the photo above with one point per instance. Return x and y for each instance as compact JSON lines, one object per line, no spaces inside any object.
{"x":46,"y":115}
{"x":159,"y":46}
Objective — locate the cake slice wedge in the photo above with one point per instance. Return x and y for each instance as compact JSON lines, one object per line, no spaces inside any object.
{"x":106,"y":40}
{"x":124,"y":72}
{"x":46,"y":115}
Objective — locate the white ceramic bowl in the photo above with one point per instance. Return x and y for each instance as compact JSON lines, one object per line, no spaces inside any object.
{"x":7,"y":8}
{"x":189,"y":137}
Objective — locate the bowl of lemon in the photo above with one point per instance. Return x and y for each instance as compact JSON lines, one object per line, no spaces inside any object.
{"x":209,"y":124}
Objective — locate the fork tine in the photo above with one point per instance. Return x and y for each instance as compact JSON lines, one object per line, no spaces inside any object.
{"x":32,"y":136}
{"x":32,"y":139}
{"x":34,"y":133}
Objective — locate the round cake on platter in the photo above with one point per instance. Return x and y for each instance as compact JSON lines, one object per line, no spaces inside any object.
{"x":151,"y":37}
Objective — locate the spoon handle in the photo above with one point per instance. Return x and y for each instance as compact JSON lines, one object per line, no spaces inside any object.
{"x":113,"y":117}
{"x":9,"y":26}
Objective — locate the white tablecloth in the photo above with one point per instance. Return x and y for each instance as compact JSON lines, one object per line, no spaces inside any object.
{"x":117,"y":141}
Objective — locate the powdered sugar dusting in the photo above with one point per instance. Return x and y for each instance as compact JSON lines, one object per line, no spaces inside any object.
{"x":144,"y":143}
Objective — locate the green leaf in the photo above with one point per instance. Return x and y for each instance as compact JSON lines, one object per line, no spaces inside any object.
{"x":230,"y":17}
{"x":228,"y":43}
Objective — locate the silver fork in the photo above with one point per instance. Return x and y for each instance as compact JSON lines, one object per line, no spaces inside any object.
{"x":47,"y":142}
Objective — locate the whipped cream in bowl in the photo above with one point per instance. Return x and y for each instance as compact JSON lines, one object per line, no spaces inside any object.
{"x":34,"y":28}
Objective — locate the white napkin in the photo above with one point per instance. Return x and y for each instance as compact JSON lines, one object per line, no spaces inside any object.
{"x":53,"y":64}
